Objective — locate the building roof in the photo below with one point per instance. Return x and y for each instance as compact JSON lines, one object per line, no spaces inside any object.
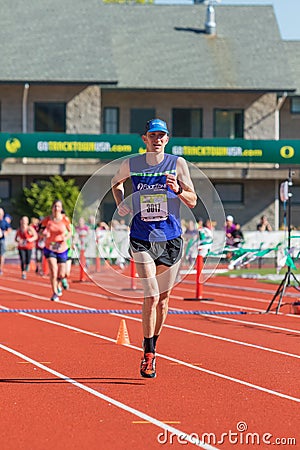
{"x":133,"y":46}
{"x":292,"y":50}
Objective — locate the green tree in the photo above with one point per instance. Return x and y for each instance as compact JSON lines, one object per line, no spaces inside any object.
{"x":38,"y":198}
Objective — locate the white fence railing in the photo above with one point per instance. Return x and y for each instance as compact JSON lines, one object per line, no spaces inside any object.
{"x":113,"y":245}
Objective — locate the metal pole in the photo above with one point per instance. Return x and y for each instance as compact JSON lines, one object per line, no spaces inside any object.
{"x":24,"y":108}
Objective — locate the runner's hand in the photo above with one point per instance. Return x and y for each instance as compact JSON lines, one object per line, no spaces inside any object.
{"x":124,"y":209}
{"x":172,"y":182}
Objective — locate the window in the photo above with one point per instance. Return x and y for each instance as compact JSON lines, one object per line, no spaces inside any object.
{"x":111,"y":120}
{"x":139,"y":118}
{"x":228,"y":123}
{"x":230,"y":193}
{"x":187,"y":122}
{"x":295,"y":191}
{"x":295,"y":105}
{"x":4,"y":189}
{"x":50,"y":117}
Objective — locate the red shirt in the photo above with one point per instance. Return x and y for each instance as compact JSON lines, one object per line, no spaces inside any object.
{"x":22,"y":237}
{"x":56,"y":232}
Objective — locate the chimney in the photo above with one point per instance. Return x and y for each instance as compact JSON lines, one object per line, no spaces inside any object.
{"x":210,"y":21}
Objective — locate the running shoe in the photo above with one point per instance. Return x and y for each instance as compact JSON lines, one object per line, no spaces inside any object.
{"x":65,"y":283}
{"x":54,"y":298}
{"x":59,"y":292}
{"x":24,"y":276}
{"x":148,"y":366}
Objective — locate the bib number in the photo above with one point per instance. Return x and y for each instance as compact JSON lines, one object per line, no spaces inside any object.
{"x":55,"y":246}
{"x":154,"y":207}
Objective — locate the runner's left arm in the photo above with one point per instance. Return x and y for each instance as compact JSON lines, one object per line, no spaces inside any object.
{"x":182,"y":182}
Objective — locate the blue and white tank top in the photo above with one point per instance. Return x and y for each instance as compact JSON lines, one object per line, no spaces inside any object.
{"x":156,"y":209}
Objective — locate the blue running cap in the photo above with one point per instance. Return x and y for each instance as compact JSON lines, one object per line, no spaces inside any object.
{"x":156,"y":125}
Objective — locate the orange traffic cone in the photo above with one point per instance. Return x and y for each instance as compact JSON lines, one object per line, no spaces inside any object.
{"x":123,"y":337}
{"x":32,"y":266}
{"x":45,"y":266}
{"x":82,"y":263}
{"x":98,"y":264}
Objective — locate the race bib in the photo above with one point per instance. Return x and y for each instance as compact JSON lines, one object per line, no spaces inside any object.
{"x":55,"y":246}
{"x":154,"y":207}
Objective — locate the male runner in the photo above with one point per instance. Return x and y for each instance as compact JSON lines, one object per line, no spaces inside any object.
{"x":160,"y":183}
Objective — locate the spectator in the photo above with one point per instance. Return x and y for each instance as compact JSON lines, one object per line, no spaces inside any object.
{"x":8,"y":219}
{"x":205,"y":236}
{"x":234,"y":235}
{"x":237,"y":235}
{"x":92,"y":223}
{"x":39,"y":246}
{"x":210,"y":226}
{"x":71,"y":254}
{"x":263,"y":224}
{"x":4,"y":230}
{"x":102,"y":226}
{"x":200,"y":223}
{"x":101,"y":233}
{"x":26,"y":236}
{"x":190,"y":239}
{"x":230,"y":228}
{"x":123,"y":226}
{"x":191,"y":230}
{"x":82,"y":230}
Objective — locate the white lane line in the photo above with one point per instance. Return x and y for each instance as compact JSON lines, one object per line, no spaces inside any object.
{"x":228,"y":305}
{"x":220,"y":338}
{"x":169,"y":358}
{"x":239,"y":297}
{"x":220,"y":294}
{"x":185,"y":436}
{"x":113,"y":297}
{"x":77,"y":305}
{"x":257,"y":324}
{"x":177,"y":297}
{"x":207,"y":285}
{"x":190,"y":331}
{"x":25,"y":294}
{"x":247,"y":308}
{"x":250,"y":289}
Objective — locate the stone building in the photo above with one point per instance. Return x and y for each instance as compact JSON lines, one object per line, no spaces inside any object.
{"x":93,"y":69}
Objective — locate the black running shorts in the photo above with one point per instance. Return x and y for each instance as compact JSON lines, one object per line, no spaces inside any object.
{"x":165,"y":253}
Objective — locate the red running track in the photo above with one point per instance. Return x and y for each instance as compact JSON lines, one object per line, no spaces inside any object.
{"x":228,"y":381}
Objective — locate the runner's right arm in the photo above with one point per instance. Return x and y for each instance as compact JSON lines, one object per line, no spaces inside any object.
{"x":117,"y":186}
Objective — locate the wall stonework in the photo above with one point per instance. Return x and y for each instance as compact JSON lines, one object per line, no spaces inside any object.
{"x":259,"y":110}
{"x":84,"y":112}
{"x":259,"y":118}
